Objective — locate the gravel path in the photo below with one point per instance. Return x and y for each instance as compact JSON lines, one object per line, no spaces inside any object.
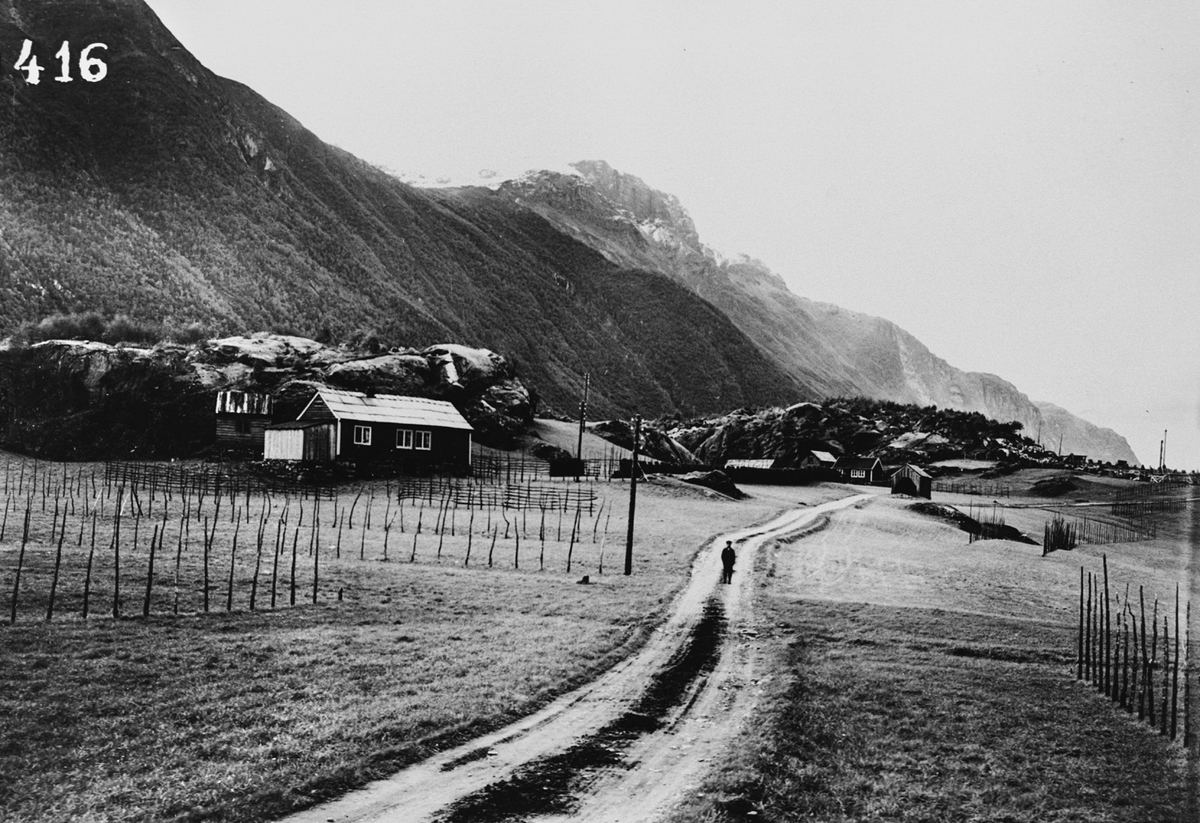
{"x":623,"y":748}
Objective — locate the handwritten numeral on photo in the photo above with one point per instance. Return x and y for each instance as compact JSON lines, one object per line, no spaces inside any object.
{"x":64,"y":55}
{"x":28,"y":63}
{"x":91,"y":69}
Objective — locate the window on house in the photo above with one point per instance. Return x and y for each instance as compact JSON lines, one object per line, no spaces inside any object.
{"x":404,"y":438}
{"x":242,"y":425}
{"x":362,"y":435}
{"x":857,"y":473}
{"x":422,"y":439}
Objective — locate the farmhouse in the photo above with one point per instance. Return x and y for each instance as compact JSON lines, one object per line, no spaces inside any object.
{"x":860,"y":469}
{"x":911,"y":480}
{"x":242,"y":419}
{"x":380,"y":428}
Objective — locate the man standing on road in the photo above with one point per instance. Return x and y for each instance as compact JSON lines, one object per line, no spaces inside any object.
{"x":728,"y":558}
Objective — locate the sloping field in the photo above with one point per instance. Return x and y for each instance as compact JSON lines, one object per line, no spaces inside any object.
{"x":566,"y":436}
{"x":922,"y":678}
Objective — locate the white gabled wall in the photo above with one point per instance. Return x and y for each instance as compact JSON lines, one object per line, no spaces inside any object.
{"x":283,"y":444}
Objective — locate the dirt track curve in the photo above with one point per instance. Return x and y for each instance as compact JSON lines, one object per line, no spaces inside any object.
{"x":623,"y":748}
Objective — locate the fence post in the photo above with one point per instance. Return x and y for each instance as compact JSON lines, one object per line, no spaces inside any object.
{"x":1107,"y":672}
{"x":1079,"y":654}
{"x":1175,"y":673}
{"x":1087,"y":646}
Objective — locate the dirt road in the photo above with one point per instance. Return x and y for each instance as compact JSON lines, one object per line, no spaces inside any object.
{"x":622,"y":748}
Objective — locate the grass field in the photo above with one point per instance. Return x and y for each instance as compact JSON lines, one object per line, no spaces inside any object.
{"x":240,"y":715}
{"x":916,"y":677}
{"x":919,"y":678}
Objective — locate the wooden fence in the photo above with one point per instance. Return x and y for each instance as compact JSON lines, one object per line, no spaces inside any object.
{"x":203,"y":479}
{"x":469,"y":494}
{"x":977,"y":487}
{"x":79,"y":542}
{"x":1140,"y":668}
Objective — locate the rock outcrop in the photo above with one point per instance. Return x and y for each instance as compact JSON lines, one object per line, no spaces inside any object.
{"x":74,"y":399}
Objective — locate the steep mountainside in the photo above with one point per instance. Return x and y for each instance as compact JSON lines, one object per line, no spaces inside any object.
{"x":165,"y":191}
{"x":829,"y":350}
{"x":1077,"y":436}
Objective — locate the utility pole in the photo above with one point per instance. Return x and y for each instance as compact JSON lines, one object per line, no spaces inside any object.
{"x":634,"y":471}
{"x":587,"y":381}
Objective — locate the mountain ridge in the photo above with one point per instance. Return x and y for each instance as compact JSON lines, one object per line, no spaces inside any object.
{"x":200,"y":200}
{"x":165,"y":191}
{"x":834,"y":351}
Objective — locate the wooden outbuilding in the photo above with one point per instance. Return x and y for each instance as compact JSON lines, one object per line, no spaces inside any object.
{"x":750,"y":463}
{"x":242,"y":418}
{"x":816,"y":459}
{"x":307,"y":440}
{"x":912,"y":480}
{"x":374,"y":428}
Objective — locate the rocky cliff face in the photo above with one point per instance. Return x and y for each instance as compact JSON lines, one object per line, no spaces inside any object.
{"x":73,"y":399}
{"x":825,"y":350}
{"x":1078,"y":436}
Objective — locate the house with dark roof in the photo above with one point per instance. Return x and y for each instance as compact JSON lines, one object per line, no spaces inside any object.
{"x":373,"y":428}
{"x":860,"y":470}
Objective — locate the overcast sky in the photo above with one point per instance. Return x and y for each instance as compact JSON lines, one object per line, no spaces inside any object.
{"x":1016,"y":184}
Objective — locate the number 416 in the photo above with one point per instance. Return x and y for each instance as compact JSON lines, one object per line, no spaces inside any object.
{"x":91,"y":69}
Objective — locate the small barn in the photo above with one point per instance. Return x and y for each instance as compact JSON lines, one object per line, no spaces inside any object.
{"x":912,"y":480}
{"x":817,"y":460}
{"x":242,"y":418}
{"x":860,"y":470}
{"x":374,"y":428}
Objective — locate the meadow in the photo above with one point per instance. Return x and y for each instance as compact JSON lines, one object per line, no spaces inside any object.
{"x":287,"y":647}
{"x":207,"y":709}
{"x":919,"y":677}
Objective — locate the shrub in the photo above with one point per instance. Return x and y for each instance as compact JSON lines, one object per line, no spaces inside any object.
{"x":122,"y":329}
{"x":194,"y":332}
